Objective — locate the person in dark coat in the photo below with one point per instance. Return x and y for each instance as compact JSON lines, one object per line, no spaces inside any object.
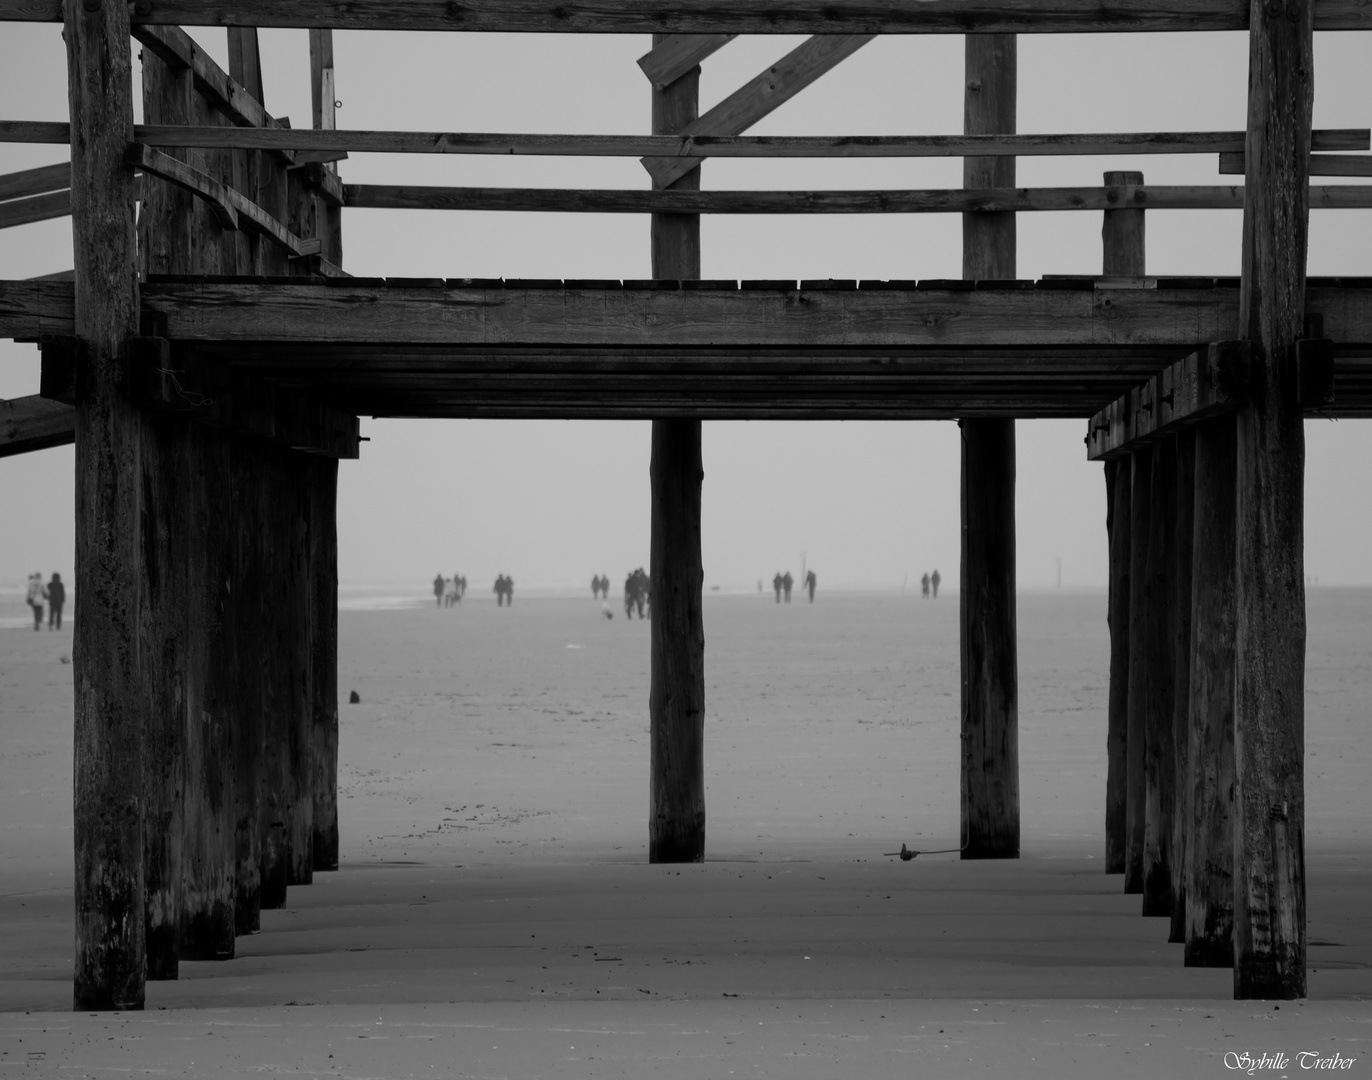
{"x":786,"y":582}
{"x":810,"y":584}
{"x":438,"y":591}
{"x":934,"y":580}
{"x":57,"y":597}
{"x":776,"y":586}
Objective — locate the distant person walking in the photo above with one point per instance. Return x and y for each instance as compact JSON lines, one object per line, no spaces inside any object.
{"x":786,"y":582}
{"x":924,"y":587}
{"x":438,"y":591}
{"x":776,"y":586}
{"x":34,"y":597}
{"x":934,"y":582}
{"x":57,"y":597}
{"x":504,"y":591}
{"x":810,"y":584}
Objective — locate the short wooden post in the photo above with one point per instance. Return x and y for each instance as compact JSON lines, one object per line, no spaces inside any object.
{"x":1123,"y":250}
{"x":1210,"y":756}
{"x":110,"y":696}
{"x":1269,"y":625}
{"x":990,"y":688}
{"x":676,"y":704}
{"x":1117,"y":529}
{"x":1140,"y":517}
{"x":1181,"y":680}
{"x":328,"y":218}
{"x":324,"y":658}
{"x":1159,"y":760}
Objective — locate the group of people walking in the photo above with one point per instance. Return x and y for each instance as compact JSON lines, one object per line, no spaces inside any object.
{"x":637,"y":594}
{"x":53,"y":595}
{"x":927,"y":582}
{"x":783,"y":583}
{"x":448,"y":592}
{"x":504,"y":591}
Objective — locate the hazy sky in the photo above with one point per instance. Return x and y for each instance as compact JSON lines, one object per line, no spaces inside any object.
{"x":552,"y":503}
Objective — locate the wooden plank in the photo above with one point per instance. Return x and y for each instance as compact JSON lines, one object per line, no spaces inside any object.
{"x":35,"y":131}
{"x":111,"y":702}
{"x":35,"y":423}
{"x":1209,"y":875}
{"x":1269,"y":621}
{"x":676,"y":694}
{"x":1320,"y":164}
{"x":677,"y":54}
{"x":328,"y":140}
{"x":718,"y":16}
{"x":36,"y":208}
{"x":990,"y":808}
{"x":760,"y":97}
{"x":937,"y":201}
{"x":40,"y":181}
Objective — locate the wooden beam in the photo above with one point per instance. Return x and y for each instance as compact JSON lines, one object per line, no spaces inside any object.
{"x":677,"y":54}
{"x":1320,"y":164}
{"x":676,"y":694}
{"x":937,"y":201}
{"x":987,"y":607}
{"x":111,"y":702}
{"x":35,"y":423}
{"x":760,"y":97}
{"x":1269,"y":622}
{"x":717,"y":16}
{"x":329,"y":141}
{"x":56,"y":204}
{"x":38,"y":181}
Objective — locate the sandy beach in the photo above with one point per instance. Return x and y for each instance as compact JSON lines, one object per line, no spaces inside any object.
{"x":494,"y":914}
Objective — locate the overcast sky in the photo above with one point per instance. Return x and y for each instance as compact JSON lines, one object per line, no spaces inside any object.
{"x":867,"y":504}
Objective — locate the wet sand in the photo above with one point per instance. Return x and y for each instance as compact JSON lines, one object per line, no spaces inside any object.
{"x":495,"y":915}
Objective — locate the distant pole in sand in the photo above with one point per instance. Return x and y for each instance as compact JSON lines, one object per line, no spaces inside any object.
{"x":676,"y":700}
{"x":990,"y":689}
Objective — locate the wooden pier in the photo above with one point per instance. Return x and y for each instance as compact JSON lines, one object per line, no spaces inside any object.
{"x":210,"y":356}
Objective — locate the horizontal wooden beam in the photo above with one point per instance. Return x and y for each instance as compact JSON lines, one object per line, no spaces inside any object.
{"x":1232,"y":163}
{"x":714,"y":16}
{"x":949,"y":200}
{"x":30,"y":310}
{"x":35,"y":423}
{"x":677,"y":55}
{"x":312,"y":140}
{"x":40,"y":181}
{"x":56,"y":204}
{"x":759,"y":97}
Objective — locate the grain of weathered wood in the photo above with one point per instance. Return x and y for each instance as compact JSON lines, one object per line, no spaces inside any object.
{"x":1269,"y":623}
{"x":274,"y":646}
{"x":718,"y":16}
{"x":328,"y":140}
{"x":677,"y":54}
{"x":760,"y":97}
{"x":1210,"y":732}
{"x":293,"y":594}
{"x":1320,"y":164}
{"x":1117,"y":529}
{"x":323,"y":592}
{"x":251,"y":581}
{"x":40,"y":181}
{"x":55,"y":204}
{"x":110,"y":694}
{"x":35,"y":423}
{"x":1182,"y":563}
{"x":1140,"y":597}
{"x":676,"y":695}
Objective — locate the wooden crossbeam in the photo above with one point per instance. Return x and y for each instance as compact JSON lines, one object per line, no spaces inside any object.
{"x":677,"y":55}
{"x":951,"y":200}
{"x":35,"y":208}
{"x":1320,"y":164}
{"x":714,"y":16}
{"x":759,"y":97}
{"x":40,"y":181}
{"x":35,"y":423}
{"x":175,"y":47}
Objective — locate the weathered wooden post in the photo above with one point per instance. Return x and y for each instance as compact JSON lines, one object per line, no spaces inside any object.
{"x":295,"y":597}
{"x":990,"y":688}
{"x":676,"y":825}
{"x":1269,"y":624}
{"x":1181,"y":680}
{"x":1159,"y":760}
{"x":1140,"y":592}
{"x":274,"y":639}
{"x":1210,"y":754}
{"x":1122,"y":243}
{"x":324,"y":659}
{"x":249,"y":733}
{"x":111,"y":699}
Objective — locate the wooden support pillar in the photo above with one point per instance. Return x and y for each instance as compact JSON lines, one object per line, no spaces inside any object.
{"x":1269,"y":624}
{"x":110,"y":695}
{"x":1140,"y":517}
{"x":676,"y":704}
{"x":273,"y":641}
{"x":1122,"y":243}
{"x":328,"y":217}
{"x":990,"y":690}
{"x":1210,"y":754}
{"x":1181,"y":680}
{"x":1117,"y":528}
{"x":323,"y":588}
{"x":297,"y":611}
{"x":1159,"y":756}
{"x":249,"y":578}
